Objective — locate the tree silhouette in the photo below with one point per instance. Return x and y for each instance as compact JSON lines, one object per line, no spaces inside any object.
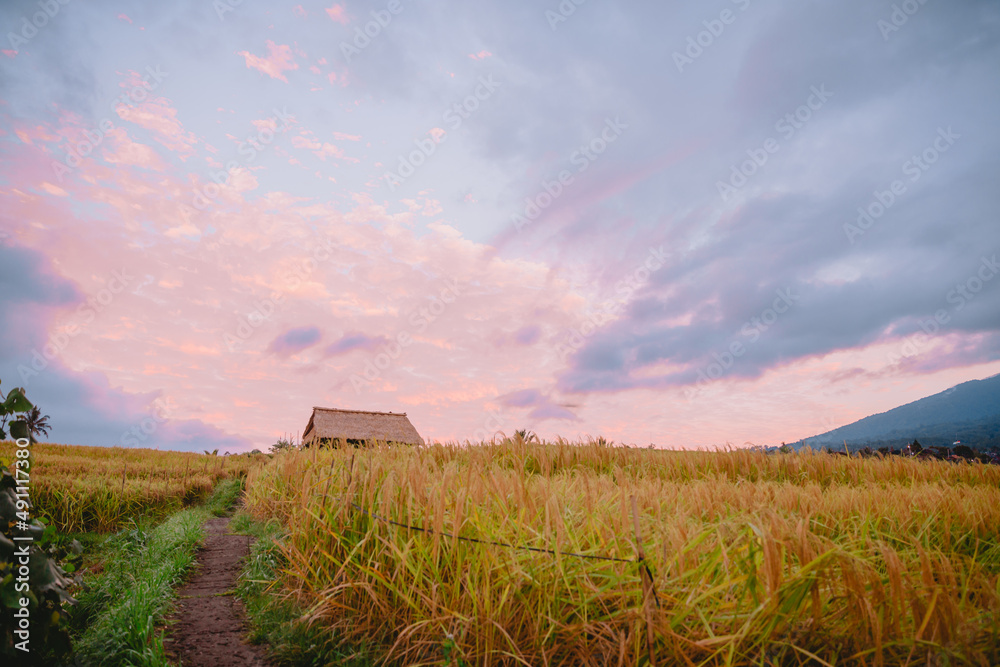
{"x":38,"y":424}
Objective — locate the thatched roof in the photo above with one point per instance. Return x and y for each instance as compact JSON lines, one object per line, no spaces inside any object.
{"x":360,"y":425}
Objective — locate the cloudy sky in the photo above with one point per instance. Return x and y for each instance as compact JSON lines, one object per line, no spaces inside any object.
{"x":688,"y":224}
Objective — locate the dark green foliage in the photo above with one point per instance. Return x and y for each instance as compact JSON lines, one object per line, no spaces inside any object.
{"x":964,"y":451}
{"x":283,"y":445}
{"x":45,"y":589}
{"x":14,"y":407}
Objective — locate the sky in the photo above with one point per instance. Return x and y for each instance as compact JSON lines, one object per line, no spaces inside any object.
{"x":680,"y":224}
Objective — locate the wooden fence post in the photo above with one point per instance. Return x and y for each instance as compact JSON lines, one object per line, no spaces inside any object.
{"x":647,"y":583}
{"x":329,"y":478}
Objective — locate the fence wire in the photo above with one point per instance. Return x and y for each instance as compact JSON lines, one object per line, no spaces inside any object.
{"x":639,"y":561}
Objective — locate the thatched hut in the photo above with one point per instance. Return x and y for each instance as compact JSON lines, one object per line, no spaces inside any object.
{"x":327,"y":426}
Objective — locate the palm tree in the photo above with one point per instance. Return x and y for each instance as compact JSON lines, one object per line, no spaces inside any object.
{"x":38,"y":424}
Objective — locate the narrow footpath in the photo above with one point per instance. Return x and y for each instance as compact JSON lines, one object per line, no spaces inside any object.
{"x":207,"y":629}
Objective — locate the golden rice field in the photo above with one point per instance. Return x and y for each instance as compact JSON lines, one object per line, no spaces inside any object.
{"x":755,"y":559}
{"x":80,"y":489}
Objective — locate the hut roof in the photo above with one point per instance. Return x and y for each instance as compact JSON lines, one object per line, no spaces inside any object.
{"x":360,"y":425}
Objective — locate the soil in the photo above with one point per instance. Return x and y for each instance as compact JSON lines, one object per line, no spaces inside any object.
{"x":208,"y":626}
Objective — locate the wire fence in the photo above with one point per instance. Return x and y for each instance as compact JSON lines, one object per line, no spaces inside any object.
{"x":640,"y":561}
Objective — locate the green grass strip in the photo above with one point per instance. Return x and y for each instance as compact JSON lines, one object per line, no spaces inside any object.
{"x":224,"y":497}
{"x":124,"y":605}
{"x":273,"y":618}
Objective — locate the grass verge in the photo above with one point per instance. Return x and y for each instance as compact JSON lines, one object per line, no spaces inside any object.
{"x":117,"y":616}
{"x":277,"y":619}
{"x":224,"y":497}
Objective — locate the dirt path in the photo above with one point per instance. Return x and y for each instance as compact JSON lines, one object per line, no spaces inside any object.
{"x":208,"y":625}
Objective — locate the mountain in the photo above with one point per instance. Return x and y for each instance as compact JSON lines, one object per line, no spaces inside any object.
{"x":969,"y":412}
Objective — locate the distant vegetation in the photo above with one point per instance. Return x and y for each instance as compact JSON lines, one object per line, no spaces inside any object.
{"x":84,"y":489}
{"x":755,"y":558}
{"x":284,"y":444}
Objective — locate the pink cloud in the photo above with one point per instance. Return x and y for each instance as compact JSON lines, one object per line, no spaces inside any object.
{"x":338,"y":14}
{"x":124,"y":17}
{"x":159,"y":117}
{"x":54,"y":190}
{"x":265,"y":124}
{"x":166,"y":333}
{"x":278,"y":60}
{"x":481,"y":55}
{"x":428,"y":208}
{"x":9,"y":53}
{"x":308,"y":141}
{"x":299,"y":11}
{"x":124,"y":152}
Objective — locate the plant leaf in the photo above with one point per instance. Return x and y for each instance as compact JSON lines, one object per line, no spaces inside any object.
{"x":16,"y":402}
{"x":19,"y":429}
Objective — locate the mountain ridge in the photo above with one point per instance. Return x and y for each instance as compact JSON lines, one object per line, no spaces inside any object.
{"x":968,"y":412}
